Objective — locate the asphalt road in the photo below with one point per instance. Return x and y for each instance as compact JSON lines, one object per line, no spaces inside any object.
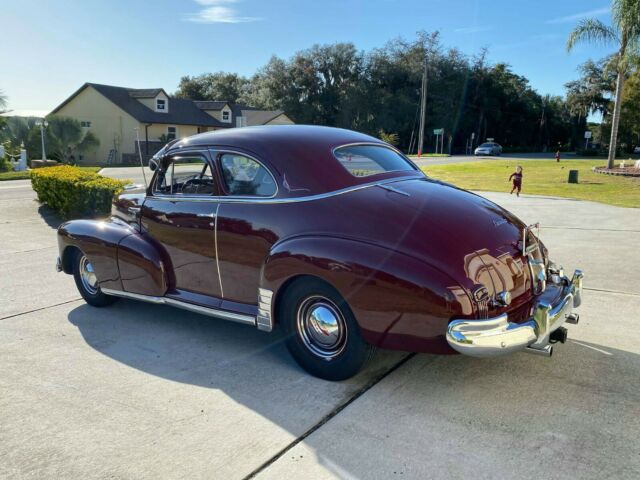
{"x":142,"y":391}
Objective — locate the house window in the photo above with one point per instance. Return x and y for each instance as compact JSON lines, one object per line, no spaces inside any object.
{"x":161,"y":104}
{"x":172,"y":133}
{"x":85,"y":124}
{"x":226,"y":115}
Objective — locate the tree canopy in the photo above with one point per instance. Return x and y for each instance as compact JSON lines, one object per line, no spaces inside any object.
{"x":379,"y":90}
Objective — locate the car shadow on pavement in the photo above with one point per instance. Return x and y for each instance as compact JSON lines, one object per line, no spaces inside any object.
{"x":250,"y":366}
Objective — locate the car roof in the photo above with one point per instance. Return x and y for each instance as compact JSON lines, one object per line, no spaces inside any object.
{"x":302,"y":155}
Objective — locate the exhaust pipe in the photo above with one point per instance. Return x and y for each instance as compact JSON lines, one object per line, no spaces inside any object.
{"x":573,"y":318}
{"x":545,"y":351}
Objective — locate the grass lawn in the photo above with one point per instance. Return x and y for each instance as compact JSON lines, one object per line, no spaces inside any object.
{"x":543,"y":177}
{"x":14,"y":176}
{"x":25,"y":175}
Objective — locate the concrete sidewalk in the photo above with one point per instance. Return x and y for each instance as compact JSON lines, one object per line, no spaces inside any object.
{"x":143,"y":391}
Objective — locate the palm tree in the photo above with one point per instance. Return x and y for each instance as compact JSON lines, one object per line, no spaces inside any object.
{"x":3,"y":101}
{"x":625,"y":35}
{"x":66,"y":139}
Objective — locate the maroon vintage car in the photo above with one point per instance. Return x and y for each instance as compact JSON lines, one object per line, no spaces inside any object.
{"x":331,"y":235}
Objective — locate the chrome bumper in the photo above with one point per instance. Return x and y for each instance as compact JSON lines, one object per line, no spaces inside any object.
{"x":497,"y":336}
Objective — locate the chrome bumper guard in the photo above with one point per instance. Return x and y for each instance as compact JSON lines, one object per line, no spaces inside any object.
{"x":497,"y":336}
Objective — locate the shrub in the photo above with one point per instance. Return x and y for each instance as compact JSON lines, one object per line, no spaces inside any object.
{"x":73,"y":192}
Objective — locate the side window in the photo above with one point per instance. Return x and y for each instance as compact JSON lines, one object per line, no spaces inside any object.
{"x":185,"y":175}
{"x":244,"y":176}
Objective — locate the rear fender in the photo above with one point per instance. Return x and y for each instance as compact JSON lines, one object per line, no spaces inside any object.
{"x":399,"y":302}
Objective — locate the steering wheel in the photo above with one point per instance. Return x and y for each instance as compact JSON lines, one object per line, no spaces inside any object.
{"x":193,"y":181}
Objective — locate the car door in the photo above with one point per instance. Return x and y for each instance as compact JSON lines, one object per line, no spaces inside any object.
{"x":245,"y":233}
{"x":179,"y":213}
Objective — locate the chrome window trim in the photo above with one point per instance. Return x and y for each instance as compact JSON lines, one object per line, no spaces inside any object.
{"x":200,"y":153}
{"x":218,"y":152}
{"x":374,"y":144}
{"x":264,"y":200}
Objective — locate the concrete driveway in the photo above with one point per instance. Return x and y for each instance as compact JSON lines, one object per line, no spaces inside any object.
{"x":141,"y":391}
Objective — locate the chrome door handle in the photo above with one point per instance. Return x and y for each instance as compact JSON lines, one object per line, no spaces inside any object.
{"x":134,"y":210}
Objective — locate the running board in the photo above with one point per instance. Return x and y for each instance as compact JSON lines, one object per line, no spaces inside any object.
{"x":211,"y":312}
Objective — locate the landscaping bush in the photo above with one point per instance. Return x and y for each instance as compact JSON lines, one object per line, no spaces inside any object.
{"x":73,"y":192}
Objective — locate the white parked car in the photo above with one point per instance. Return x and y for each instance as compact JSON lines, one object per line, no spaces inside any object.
{"x":489,"y":148}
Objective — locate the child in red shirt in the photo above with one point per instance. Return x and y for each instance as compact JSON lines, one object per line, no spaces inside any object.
{"x":517,"y":180}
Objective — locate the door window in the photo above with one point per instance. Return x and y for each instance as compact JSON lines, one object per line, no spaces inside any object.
{"x":245,"y":176}
{"x":185,"y":175}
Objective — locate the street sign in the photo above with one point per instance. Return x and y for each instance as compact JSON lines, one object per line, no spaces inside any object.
{"x":587,"y":134}
{"x":438,"y":131}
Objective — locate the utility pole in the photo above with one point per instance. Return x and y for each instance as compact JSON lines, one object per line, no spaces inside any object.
{"x":42,"y":124}
{"x":429,"y":42}
{"x":423,"y":104}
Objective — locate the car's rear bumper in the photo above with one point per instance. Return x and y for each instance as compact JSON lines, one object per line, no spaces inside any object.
{"x":498,"y":336}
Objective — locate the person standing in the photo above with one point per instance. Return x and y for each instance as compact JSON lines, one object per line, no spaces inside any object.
{"x":558,"y":156}
{"x":517,"y":180}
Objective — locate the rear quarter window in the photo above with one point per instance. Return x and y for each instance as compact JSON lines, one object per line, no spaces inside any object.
{"x":366,"y":160}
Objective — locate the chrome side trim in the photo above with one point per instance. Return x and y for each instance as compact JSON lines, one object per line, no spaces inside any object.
{"x":212,"y":312}
{"x":215,"y":241}
{"x":261,"y":200}
{"x":265,"y":310}
{"x":394,"y":190}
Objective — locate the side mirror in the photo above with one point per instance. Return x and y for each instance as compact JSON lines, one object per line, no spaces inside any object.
{"x":153,"y":164}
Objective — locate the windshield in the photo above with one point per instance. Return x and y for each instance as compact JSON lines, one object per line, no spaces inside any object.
{"x":365,"y":160}
{"x":486,"y":145}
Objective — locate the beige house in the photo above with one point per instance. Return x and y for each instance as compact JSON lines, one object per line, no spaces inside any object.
{"x":115,"y":114}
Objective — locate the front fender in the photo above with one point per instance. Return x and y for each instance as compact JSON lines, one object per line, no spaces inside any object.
{"x":399,"y":302}
{"x":98,"y":240}
{"x":123,"y":258}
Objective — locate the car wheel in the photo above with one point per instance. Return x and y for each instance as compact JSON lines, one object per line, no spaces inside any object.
{"x":87,"y":282}
{"x":322,"y":333}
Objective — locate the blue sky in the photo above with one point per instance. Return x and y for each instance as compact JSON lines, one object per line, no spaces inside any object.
{"x":53,"y":47}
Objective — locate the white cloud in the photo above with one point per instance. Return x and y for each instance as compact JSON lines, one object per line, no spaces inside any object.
{"x":475,"y":29}
{"x":218,"y":11}
{"x":579,"y":16}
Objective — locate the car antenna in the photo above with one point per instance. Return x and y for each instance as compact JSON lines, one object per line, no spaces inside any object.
{"x":144,"y":175}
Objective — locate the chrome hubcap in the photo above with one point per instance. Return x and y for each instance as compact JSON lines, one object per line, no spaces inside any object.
{"x":87,"y":276}
{"x":321,"y":327}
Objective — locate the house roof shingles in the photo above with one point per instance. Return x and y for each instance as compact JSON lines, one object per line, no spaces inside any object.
{"x":210,"y":104}
{"x":181,"y":111}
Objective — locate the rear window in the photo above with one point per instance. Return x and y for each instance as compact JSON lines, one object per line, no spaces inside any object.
{"x":365,"y":160}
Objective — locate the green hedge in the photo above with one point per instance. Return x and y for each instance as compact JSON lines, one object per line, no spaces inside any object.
{"x":73,"y":192}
